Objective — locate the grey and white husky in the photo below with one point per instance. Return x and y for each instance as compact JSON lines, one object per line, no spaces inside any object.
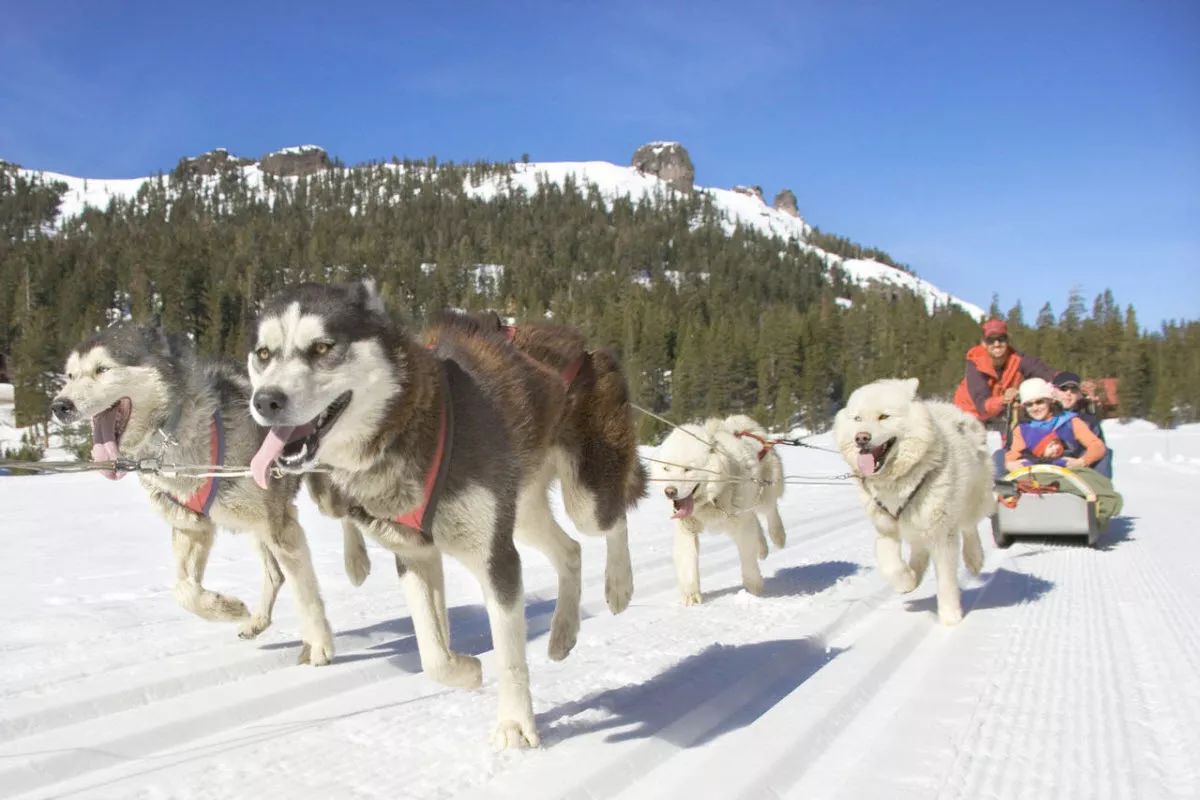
{"x":149,"y":396}
{"x":447,"y":447}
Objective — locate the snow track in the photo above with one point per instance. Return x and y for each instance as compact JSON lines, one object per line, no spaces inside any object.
{"x":1074,"y":673}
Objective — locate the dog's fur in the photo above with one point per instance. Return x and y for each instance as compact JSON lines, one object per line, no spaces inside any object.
{"x":925,"y":478}
{"x":332,"y":356}
{"x":597,"y":440}
{"x":716,"y":480}
{"x":170,"y":395}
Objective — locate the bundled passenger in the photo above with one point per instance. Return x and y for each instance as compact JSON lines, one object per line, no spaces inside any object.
{"x":993,"y":373}
{"x":1049,"y":435}
{"x":1071,"y":395}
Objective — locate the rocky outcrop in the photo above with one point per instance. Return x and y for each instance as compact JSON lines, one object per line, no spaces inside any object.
{"x":214,"y":161}
{"x":785,"y":201}
{"x":750,"y":191}
{"x":667,"y":160}
{"x":304,"y":160}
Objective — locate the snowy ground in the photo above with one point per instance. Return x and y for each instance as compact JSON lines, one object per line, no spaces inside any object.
{"x":1076,"y":672}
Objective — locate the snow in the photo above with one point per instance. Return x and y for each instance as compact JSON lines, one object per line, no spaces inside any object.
{"x":613,"y":181}
{"x":1074,"y":673}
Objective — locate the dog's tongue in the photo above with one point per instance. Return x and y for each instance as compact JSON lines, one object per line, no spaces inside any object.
{"x":277,"y":438}
{"x":260,"y":466}
{"x":684,"y":507}
{"x":104,"y":441}
{"x":866,"y":463}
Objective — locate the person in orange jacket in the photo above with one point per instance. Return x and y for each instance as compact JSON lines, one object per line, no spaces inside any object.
{"x":993,"y":373}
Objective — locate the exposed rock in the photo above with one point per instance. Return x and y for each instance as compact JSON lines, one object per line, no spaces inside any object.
{"x":750,"y":191}
{"x":667,"y":160}
{"x":303,"y":160}
{"x":214,"y":161}
{"x":785,"y":201}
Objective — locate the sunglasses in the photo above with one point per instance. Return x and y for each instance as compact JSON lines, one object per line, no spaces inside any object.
{"x":1070,"y":387}
{"x":1041,"y":401}
{"x":995,"y":339}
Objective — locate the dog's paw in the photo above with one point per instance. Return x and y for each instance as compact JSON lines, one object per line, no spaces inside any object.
{"x":254,"y":626}
{"x":564,"y":630}
{"x":904,"y":581}
{"x":754,"y":587}
{"x":358,"y":566}
{"x":974,"y":560}
{"x":692,"y":598}
{"x":316,"y":654}
{"x":950,"y":615}
{"x":779,"y":538}
{"x":513,"y":735}
{"x":460,"y":672}
{"x":618,"y":587}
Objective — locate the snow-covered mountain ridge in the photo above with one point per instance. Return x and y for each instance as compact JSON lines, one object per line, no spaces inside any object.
{"x":612,"y":180}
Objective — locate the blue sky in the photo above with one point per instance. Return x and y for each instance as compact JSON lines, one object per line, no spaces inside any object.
{"x":1019,"y":148}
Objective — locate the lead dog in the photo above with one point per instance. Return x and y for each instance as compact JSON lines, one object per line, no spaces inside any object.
{"x":148,"y":396}
{"x":442,"y":450}
{"x":721,"y":475}
{"x":925,"y":478}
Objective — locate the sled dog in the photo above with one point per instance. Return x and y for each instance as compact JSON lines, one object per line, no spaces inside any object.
{"x":925,"y":477}
{"x":721,"y":475}
{"x":149,"y":396}
{"x":596,"y":447}
{"x":444,"y":448}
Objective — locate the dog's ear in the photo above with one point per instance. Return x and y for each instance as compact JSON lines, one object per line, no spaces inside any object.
{"x":368,"y":296}
{"x":911,"y":385}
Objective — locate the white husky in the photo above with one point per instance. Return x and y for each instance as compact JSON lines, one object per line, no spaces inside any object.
{"x":721,"y":475}
{"x":925,"y":478}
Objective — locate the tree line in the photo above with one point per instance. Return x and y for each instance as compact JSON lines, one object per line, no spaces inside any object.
{"x":706,"y":320}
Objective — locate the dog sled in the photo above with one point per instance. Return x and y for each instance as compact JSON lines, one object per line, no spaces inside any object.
{"x":1044,"y":500}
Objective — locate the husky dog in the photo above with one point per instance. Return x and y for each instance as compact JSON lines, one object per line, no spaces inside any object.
{"x":597,"y":443}
{"x":148,"y":396}
{"x":721,"y":475}
{"x":445,"y":448}
{"x":925,"y":477}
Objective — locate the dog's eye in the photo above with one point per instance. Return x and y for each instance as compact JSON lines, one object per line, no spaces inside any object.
{"x":882,"y":417}
{"x":263,"y":353}
{"x":858,"y":419}
{"x":321,"y":348}
{"x":101,"y":370}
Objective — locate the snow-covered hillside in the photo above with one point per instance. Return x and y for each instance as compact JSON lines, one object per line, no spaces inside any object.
{"x":613,"y":181}
{"x":1074,"y":673}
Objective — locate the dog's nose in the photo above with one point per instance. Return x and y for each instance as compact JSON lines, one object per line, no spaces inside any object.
{"x":269,"y":402}
{"x":671,"y":492}
{"x":62,"y":408}
{"x":862,"y":439}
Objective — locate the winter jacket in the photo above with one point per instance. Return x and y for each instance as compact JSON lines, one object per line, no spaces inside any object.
{"x":1031,"y":439}
{"x":981,"y":393}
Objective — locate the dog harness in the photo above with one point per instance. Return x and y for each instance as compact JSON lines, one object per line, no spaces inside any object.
{"x":879,"y":504}
{"x":568,"y":374}
{"x":766,"y":444}
{"x":435,"y":477}
{"x":202,"y":499}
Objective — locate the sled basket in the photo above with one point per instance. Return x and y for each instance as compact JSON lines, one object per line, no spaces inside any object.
{"x":1044,"y":500}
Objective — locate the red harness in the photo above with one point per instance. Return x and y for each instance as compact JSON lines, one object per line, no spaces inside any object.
{"x":416,"y":517}
{"x":767,"y":445}
{"x":569,"y":373}
{"x":201,"y":501}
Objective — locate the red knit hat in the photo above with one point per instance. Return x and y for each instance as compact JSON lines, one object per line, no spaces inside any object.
{"x":995,"y":327}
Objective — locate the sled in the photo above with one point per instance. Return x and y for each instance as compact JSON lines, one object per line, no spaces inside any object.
{"x":1044,"y":500}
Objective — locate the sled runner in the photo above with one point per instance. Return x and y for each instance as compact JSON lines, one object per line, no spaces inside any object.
{"x":1044,"y":500}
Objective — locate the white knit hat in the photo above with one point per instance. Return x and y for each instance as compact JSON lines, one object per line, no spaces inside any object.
{"x":1036,"y":389}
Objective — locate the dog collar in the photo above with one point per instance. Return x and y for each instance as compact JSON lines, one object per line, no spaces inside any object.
{"x":201,"y":501}
{"x":879,"y":504}
{"x":766,"y":444}
{"x":421,"y":517}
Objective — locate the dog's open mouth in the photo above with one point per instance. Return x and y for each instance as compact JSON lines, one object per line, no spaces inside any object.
{"x":871,"y":459}
{"x":684,"y":506}
{"x":107,"y":428}
{"x":293,"y":447}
